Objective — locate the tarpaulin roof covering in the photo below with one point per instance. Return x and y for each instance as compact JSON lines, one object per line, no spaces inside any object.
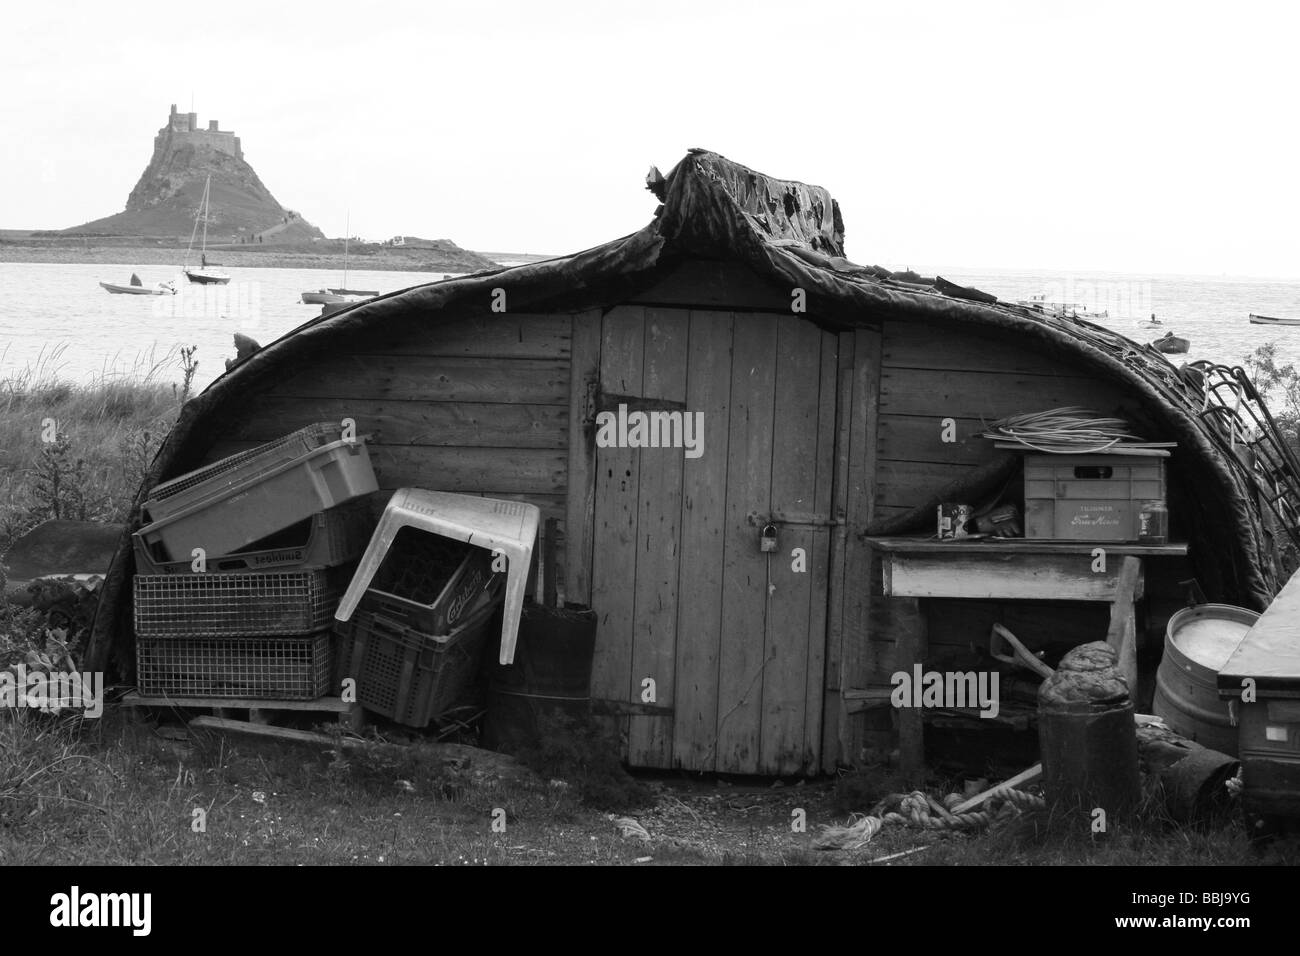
{"x":792,"y":234}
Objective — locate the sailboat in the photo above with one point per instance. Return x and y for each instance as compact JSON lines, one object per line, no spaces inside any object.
{"x":341,"y":296}
{"x":203,"y":275}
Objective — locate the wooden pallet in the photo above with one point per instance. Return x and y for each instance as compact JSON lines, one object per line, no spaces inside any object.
{"x":262,"y":712}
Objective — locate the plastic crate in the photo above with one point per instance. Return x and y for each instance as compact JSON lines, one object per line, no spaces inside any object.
{"x":181,"y":492}
{"x":281,"y":668}
{"x":407,"y":675}
{"x":264,"y":503}
{"x":1089,"y":497}
{"x":239,"y":604}
{"x":324,"y":540}
{"x":429,"y":582}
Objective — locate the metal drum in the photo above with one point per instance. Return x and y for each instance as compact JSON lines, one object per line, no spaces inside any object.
{"x":1198,"y":642}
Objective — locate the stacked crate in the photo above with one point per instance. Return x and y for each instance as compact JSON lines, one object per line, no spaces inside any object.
{"x":242,"y":565}
{"x":414,"y":642}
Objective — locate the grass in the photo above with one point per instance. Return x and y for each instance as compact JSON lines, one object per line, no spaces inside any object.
{"x":116,"y":792}
{"x":80,"y":450}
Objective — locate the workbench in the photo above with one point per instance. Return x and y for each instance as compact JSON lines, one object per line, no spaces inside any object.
{"x":1013,"y":569}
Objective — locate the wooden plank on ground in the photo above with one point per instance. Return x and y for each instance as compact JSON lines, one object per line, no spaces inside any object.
{"x":1022,"y":779}
{"x":617,"y":496}
{"x":432,"y":379}
{"x":580,"y":510}
{"x":393,"y":422}
{"x":654,"y":642}
{"x":1027,"y":577}
{"x":790,"y":594}
{"x":703,"y":531}
{"x":744,"y":584}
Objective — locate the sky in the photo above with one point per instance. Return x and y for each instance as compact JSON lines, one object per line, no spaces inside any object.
{"x":1141,"y":138}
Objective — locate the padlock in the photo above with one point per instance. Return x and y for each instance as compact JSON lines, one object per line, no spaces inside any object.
{"x":767,"y":539}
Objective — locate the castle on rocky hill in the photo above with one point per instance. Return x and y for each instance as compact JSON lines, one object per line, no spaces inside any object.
{"x":184,"y":129}
{"x":166,"y":199}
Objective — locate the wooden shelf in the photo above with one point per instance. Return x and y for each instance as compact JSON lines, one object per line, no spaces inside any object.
{"x":1011,"y":546}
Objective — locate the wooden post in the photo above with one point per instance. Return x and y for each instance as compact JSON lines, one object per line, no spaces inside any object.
{"x":1122,"y":635}
{"x":913,"y":642}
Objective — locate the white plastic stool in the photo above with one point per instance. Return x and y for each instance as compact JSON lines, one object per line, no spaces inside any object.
{"x":509,"y":527}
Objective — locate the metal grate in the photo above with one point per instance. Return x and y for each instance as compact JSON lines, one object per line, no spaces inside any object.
{"x":282,"y":668}
{"x":246,"y":463}
{"x":240,"y":604}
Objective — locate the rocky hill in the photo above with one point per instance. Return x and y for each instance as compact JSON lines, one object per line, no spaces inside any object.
{"x":166,"y":199}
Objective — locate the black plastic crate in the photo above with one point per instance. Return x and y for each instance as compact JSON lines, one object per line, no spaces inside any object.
{"x":280,"y":668}
{"x":407,"y":675}
{"x":429,"y":582}
{"x":239,"y":604}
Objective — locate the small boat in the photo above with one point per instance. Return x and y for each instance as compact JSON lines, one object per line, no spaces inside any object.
{"x":1171,"y":344}
{"x":162,"y":288}
{"x":1060,"y":310}
{"x":1151,"y":323}
{"x":203,"y":275}
{"x":207,"y":276}
{"x":339,"y":296}
{"x":335,"y":297}
{"x":1270,"y":320}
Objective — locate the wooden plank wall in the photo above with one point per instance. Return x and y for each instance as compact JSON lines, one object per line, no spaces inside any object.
{"x":480,"y":406}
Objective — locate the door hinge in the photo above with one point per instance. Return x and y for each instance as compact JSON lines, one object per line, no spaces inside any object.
{"x":591,"y":386}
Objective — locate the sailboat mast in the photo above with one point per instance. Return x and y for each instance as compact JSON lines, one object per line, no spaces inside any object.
{"x":207,"y":186}
{"x":347,"y":236}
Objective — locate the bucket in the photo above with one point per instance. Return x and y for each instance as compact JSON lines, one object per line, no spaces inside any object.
{"x":1198,"y":642}
{"x":1087,"y":735}
{"x":550,"y":676}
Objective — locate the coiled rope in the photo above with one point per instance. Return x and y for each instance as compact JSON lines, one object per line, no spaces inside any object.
{"x":920,"y":810}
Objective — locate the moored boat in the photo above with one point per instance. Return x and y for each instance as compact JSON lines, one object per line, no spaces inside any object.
{"x":162,"y":288}
{"x":335,"y":297}
{"x":1060,"y":310}
{"x":1271,"y":320}
{"x":339,"y":296}
{"x":1171,"y":344}
{"x":203,"y":275}
{"x":207,"y":276}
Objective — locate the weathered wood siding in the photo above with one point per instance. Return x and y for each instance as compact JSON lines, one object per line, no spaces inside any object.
{"x":479,"y":406}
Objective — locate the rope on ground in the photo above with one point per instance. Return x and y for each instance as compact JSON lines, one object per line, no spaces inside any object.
{"x":920,"y":810}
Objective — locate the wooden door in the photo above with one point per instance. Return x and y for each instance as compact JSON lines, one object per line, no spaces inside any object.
{"x":732,"y":638}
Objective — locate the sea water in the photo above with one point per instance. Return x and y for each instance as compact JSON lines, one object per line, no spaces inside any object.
{"x":56,"y":315}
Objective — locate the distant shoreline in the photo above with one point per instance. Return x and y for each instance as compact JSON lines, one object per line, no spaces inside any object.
{"x":232,"y":258}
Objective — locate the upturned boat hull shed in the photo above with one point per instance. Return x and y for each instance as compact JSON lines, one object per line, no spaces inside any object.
{"x":755,"y":377}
